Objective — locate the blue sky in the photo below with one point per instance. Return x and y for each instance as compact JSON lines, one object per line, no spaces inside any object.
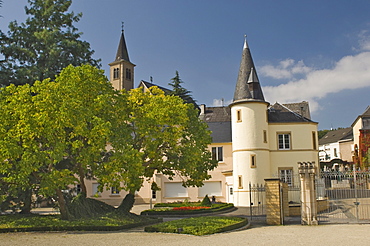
{"x":317,"y":51}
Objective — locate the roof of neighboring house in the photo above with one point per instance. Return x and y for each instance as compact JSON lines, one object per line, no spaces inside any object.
{"x":279,"y":113}
{"x":148,"y":85}
{"x":365,"y":114}
{"x":166,"y":91}
{"x":337,"y":136}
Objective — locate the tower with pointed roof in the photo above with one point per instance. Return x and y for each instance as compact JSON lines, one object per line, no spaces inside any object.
{"x":122,"y":69}
{"x":249,"y":120}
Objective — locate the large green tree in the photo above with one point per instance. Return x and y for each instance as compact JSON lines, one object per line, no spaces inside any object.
{"x":53,"y":132}
{"x":46,"y":43}
{"x":165,"y":136}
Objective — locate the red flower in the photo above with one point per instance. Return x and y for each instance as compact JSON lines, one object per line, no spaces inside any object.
{"x":191,"y":208}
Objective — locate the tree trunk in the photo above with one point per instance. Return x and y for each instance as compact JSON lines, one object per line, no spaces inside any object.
{"x":62,"y":205}
{"x":27,"y":202}
{"x":127,"y":203}
{"x":81,"y":173}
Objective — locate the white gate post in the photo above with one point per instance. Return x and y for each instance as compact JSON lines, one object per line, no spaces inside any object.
{"x":308,"y":193}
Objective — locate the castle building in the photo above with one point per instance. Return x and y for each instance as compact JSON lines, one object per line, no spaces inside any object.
{"x":252,"y":140}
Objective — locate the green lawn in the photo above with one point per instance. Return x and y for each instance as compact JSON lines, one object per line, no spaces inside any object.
{"x":199,"y":225}
{"x":18,"y":222}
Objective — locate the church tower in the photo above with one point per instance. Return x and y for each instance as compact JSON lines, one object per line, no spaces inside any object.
{"x":251,"y":156}
{"x":122,"y":70}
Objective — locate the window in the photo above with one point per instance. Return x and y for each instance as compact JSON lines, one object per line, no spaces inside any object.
{"x":95,"y":189}
{"x":284,"y":141}
{"x":210,"y":189}
{"x":128,"y":74}
{"x":239,"y":115}
{"x":154,"y":194}
{"x":240,"y":182}
{"x":115,"y":73}
{"x":286,"y":176}
{"x":231,"y":191}
{"x":175,"y":190}
{"x":314,"y":140}
{"x":114,"y":191}
{"x":264,"y":136}
{"x":335,"y":152}
{"x":217,"y":153}
{"x":253,"y":161}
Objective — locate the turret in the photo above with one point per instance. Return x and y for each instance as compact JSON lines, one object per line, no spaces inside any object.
{"x":251,"y":155}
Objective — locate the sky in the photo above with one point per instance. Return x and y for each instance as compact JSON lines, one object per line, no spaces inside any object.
{"x":316,"y":51}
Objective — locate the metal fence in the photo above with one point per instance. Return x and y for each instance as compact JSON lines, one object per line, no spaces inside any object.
{"x":345,"y":196}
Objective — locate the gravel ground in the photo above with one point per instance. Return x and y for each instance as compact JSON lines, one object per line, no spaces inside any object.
{"x":256,"y":234}
{"x":261,"y":235}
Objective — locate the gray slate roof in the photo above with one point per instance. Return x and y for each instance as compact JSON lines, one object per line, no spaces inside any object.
{"x":279,"y":113}
{"x":247,"y":84}
{"x":219,"y":122}
{"x":336,"y":136}
{"x":301,"y":108}
{"x":122,"y":53}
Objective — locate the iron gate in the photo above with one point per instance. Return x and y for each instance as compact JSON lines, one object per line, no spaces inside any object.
{"x":343,"y":197}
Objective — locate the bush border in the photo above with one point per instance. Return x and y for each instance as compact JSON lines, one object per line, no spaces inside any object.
{"x":80,"y":228}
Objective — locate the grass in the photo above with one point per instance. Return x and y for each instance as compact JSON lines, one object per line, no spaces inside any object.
{"x":18,"y":222}
{"x":199,"y":225}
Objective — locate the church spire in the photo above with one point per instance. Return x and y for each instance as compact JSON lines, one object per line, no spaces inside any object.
{"x":122,"y":53}
{"x":247,"y":84}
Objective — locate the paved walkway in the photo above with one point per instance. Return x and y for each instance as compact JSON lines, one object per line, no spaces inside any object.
{"x":257,"y":234}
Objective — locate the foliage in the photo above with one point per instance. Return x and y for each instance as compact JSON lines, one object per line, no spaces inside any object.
{"x":178,"y":90}
{"x":45,"y":44}
{"x":108,"y":222}
{"x":206,"y":201}
{"x":52,"y":131}
{"x":164,"y":136}
{"x":199,"y":225}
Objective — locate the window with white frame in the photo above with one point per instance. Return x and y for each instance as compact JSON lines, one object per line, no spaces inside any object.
{"x":284,"y":141}
{"x":95,"y":189}
{"x":210,"y":189}
{"x":217,"y":154}
{"x":286,"y":176}
{"x":175,"y":189}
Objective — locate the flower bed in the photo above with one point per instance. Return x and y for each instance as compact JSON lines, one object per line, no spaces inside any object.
{"x":191,"y":208}
{"x":187,"y":209}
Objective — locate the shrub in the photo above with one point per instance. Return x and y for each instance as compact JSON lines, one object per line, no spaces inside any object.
{"x":206,"y":201}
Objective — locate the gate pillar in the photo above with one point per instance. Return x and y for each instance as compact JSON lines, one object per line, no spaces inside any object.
{"x":308,"y":193}
{"x":274,"y":197}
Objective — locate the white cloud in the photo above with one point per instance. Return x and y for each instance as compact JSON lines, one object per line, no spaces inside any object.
{"x":220,"y":102}
{"x":364,"y":40}
{"x":286,"y":69}
{"x":350,"y":72}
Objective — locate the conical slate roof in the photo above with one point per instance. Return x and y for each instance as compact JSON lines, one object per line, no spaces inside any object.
{"x":247,"y":84}
{"x":122,"y":53}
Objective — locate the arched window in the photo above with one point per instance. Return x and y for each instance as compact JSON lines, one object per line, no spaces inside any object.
{"x":115,"y":73}
{"x":128,"y":74}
